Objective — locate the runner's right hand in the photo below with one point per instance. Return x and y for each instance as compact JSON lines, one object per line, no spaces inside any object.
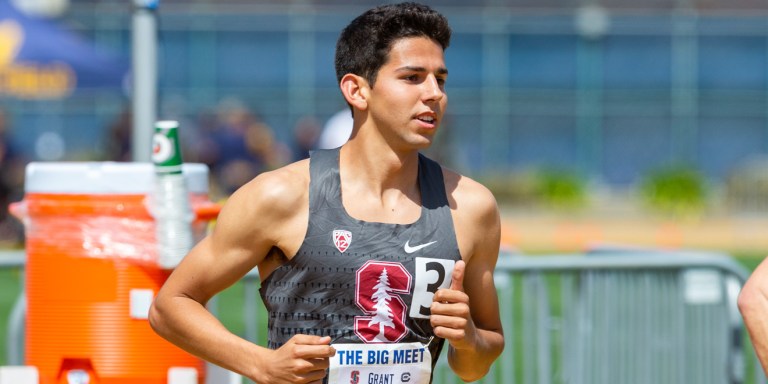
{"x":303,"y":359}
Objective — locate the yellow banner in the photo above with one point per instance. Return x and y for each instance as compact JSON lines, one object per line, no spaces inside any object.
{"x":34,"y":81}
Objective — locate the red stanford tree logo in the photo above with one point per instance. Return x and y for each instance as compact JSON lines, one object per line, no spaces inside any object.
{"x":376,"y":293}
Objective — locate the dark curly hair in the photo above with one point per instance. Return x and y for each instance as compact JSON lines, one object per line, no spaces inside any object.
{"x":364,"y":45}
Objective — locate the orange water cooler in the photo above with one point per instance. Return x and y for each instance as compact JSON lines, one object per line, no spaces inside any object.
{"x":92,"y":272}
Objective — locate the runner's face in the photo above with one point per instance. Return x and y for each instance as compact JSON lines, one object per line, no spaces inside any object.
{"x":408,"y":100}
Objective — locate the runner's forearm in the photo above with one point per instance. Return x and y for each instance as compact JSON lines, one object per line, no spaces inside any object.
{"x":473,"y":364}
{"x":187,"y":324}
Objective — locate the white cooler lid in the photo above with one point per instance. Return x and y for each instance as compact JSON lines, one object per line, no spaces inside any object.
{"x":105,"y":177}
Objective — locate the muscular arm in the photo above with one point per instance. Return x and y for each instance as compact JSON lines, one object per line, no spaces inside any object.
{"x":245,"y":232}
{"x":753,"y":304}
{"x":467,"y":314}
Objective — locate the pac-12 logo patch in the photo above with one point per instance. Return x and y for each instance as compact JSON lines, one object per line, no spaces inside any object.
{"x":342,"y":239}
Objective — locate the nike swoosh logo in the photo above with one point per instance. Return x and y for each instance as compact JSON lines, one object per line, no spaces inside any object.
{"x":408,"y":249}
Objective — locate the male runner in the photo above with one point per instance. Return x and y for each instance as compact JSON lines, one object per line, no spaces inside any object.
{"x":371,"y":255}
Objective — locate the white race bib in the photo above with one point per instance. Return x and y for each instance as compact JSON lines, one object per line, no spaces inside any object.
{"x":397,"y":363}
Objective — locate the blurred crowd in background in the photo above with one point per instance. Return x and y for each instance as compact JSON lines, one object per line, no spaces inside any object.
{"x":237,"y":144}
{"x":11,"y":182}
{"x":230,"y":138}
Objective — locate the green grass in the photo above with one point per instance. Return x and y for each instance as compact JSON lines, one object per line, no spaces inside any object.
{"x":750,"y":261}
{"x":230,"y":304}
{"x":10,"y":286}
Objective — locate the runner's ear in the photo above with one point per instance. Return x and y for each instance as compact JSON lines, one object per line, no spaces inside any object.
{"x":355,"y":91}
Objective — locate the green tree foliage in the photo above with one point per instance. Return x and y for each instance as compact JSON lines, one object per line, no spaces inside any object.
{"x":561,"y":189}
{"x":678,"y":191}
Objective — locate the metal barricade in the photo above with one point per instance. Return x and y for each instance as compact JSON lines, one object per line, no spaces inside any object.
{"x":623,"y":317}
{"x":608,"y":317}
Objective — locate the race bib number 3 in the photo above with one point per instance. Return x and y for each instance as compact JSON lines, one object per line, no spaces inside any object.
{"x":406,"y":363}
{"x":431,"y":275}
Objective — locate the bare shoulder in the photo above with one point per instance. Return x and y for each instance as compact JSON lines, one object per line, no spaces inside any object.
{"x":268,"y":203}
{"x":277,"y":190}
{"x":469,"y":197}
{"x":475,"y":217}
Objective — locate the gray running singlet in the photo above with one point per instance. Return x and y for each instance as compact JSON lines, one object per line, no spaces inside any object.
{"x":367,"y":285}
